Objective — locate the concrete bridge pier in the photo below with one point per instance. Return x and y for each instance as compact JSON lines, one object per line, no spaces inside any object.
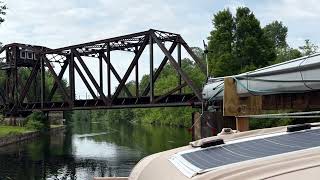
{"x":52,"y":118}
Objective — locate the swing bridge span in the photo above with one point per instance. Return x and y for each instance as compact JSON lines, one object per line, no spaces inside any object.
{"x":290,"y":85}
{"x":15,"y":95}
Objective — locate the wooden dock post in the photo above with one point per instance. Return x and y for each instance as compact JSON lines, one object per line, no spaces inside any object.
{"x":242,"y":124}
{"x":196,"y":123}
{"x":233,"y":105}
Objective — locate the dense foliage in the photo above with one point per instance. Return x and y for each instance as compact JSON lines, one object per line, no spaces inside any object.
{"x":238,"y":44}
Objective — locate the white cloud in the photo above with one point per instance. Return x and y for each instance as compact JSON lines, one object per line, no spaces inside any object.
{"x":66,"y":22}
{"x":294,"y":10}
{"x":301,"y":17}
{"x":233,"y":5}
{"x":61,"y":23}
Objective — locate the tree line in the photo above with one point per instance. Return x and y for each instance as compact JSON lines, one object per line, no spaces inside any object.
{"x":236,"y":44}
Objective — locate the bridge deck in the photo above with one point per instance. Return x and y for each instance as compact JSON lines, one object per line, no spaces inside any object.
{"x":175,"y":100}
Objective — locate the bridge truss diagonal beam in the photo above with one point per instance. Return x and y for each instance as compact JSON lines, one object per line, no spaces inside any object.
{"x":53,"y":73}
{"x":31,"y":77}
{"x":161,"y":66}
{"x":55,"y":85}
{"x":132,"y":65}
{"x":176,"y":67}
{"x":92,"y":79}
{"x":2,"y":95}
{"x":85,"y":81}
{"x":191,"y":53}
{"x":115,"y":73}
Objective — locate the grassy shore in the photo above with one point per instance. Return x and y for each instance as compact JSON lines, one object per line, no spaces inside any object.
{"x":12,"y":130}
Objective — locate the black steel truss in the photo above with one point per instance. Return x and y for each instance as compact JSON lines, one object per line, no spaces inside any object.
{"x":72,"y":58}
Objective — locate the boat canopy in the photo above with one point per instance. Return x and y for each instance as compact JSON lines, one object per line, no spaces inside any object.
{"x":294,"y":76}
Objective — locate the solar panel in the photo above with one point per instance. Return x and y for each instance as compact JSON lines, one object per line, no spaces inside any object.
{"x":191,"y":163}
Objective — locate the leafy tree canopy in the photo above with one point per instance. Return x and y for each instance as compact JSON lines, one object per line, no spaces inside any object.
{"x":238,"y":43}
{"x":277,"y":33}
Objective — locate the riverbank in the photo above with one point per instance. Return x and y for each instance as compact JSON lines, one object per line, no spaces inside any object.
{"x":13,"y":134}
{"x":12,"y":130}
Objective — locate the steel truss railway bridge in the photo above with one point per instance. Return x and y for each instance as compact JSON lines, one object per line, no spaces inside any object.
{"x":38,"y":59}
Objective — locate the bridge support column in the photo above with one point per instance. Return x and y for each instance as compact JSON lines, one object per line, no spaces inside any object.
{"x":100,"y":71}
{"x":137,"y":75}
{"x":151,"y":70}
{"x":107,"y":59}
{"x":179,"y":62}
{"x":43,"y":82}
{"x":71,"y":78}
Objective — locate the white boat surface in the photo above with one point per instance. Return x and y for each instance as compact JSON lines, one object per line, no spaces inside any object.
{"x":301,"y":164}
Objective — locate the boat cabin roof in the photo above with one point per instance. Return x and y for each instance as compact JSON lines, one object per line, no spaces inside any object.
{"x":271,"y":153}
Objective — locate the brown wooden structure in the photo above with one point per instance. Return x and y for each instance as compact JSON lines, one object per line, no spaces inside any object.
{"x":240,"y":107}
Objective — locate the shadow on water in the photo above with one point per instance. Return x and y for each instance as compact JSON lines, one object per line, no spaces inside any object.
{"x":88,"y":150}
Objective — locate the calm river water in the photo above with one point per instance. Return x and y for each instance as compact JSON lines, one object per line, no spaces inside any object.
{"x":87,"y":150}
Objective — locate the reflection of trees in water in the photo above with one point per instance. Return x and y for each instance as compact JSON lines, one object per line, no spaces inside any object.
{"x":67,"y":168}
{"x":52,"y":156}
{"x":146,"y":138}
{"x":36,"y":159}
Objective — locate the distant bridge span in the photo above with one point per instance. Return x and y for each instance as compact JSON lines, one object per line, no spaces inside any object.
{"x":37,"y":59}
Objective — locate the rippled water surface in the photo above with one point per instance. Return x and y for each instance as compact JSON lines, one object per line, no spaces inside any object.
{"x":87,"y":150}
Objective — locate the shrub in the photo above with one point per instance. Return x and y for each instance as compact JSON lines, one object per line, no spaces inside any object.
{"x":268,"y":123}
{"x":36,"y":121}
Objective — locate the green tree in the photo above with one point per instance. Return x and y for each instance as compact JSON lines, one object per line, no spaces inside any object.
{"x":252,"y":48}
{"x":308,"y":48}
{"x":238,"y":44}
{"x":220,"y":43}
{"x":286,"y":54}
{"x":277,"y":33}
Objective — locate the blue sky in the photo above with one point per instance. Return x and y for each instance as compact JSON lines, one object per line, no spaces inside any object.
{"x":66,"y":22}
